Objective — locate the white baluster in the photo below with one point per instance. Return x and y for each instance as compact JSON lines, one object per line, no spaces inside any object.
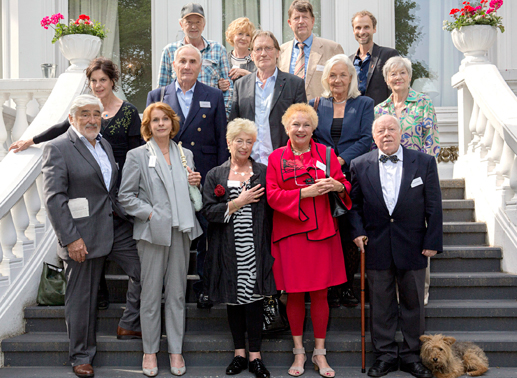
{"x":480,"y":131}
{"x":33,"y":203}
{"x":3,"y":129}
{"x":472,"y":127}
{"x":486,"y":143}
{"x":21,"y":123}
{"x":41,"y":98}
{"x":21,"y":219}
{"x":505,"y":166}
{"x":11,"y":265}
{"x":496,"y":151}
{"x":42,"y":215}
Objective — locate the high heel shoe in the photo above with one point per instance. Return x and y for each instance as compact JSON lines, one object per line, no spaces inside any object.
{"x":178,"y":370}
{"x":150,"y":372}
{"x":324,"y":372}
{"x":299,"y":370}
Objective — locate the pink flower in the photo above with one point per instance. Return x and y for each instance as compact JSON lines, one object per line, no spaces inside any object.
{"x":496,"y":4}
{"x":490,"y":10}
{"x":45,"y":22}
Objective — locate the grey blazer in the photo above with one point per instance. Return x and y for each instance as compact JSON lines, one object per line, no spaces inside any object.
{"x":289,"y":89}
{"x":71,"y":172}
{"x":143,"y":192}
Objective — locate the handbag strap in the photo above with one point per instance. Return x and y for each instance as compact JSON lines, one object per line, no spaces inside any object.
{"x":162,"y":94}
{"x":316,"y":103}
{"x":327,"y":163}
{"x":183,"y":158}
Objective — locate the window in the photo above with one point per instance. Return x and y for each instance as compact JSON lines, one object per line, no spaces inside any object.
{"x":233,"y":9}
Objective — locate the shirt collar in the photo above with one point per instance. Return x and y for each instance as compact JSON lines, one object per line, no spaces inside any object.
{"x":399,"y":153}
{"x":411,"y":95}
{"x":368,"y":54}
{"x":83,"y":138}
{"x":178,"y":88}
{"x":273,"y":77}
{"x":308,"y":41}
{"x":206,"y":43}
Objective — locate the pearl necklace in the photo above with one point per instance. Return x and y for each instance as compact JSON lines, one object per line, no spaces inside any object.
{"x":340,"y":102}
{"x":244,"y":173}
{"x":298,"y":153}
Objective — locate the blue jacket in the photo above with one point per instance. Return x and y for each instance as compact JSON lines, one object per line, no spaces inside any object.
{"x":204,"y":130}
{"x":356,"y":134}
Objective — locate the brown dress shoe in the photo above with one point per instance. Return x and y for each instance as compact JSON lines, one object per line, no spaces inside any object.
{"x":84,"y":370}
{"x":126,"y":334}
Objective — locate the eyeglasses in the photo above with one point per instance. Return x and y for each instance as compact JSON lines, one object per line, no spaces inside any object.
{"x":190,"y":23}
{"x":240,"y":142}
{"x":85,"y":116}
{"x":259,"y":50}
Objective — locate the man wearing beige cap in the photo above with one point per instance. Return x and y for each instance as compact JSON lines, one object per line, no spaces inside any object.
{"x":214,"y":56}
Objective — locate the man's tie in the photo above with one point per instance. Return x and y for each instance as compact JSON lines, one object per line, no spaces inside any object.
{"x":299,"y":67}
{"x":385,"y":158}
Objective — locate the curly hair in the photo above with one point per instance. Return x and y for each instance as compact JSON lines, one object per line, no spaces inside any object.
{"x":303,"y":108}
{"x":107,"y":66}
{"x":145,"y":129}
{"x":241,"y":24}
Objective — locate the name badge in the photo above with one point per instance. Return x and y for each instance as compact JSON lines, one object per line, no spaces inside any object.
{"x":207,"y":62}
{"x":152,"y":161}
{"x":79,"y":207}
{"x":234,"y":184}
{"x":204,"y":104}
{"x":416,"y":182}
{"x":319,"y":67}
{"x":321,"y":166}
{"x":236,"y":66}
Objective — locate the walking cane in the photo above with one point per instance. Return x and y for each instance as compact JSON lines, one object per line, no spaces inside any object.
{"x":363,"y":342}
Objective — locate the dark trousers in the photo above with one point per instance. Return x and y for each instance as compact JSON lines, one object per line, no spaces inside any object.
{"x":81,"y":293}
{"x":350,"y":252}
{"x":384,"y":313}
{"x":246,"y":317}
{"x":201,"y":286}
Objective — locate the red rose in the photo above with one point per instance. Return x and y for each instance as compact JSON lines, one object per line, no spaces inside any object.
{"x":219,"y":190}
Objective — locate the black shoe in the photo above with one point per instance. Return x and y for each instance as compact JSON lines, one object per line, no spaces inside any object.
{"x":257,"y":367}
{"x":381,"y":368}
{"x":203,"y":302}
{"x":333,"y":297}
{"x":238,"y":364}
{"x":416,"y":369}
{"x":348,"y":298}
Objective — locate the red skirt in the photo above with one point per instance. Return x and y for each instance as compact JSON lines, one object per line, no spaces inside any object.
{"x":303,"y":265}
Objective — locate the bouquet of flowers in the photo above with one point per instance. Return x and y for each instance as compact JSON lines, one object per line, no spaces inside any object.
{"x":83,"y":25}
{"x":484,"y":13}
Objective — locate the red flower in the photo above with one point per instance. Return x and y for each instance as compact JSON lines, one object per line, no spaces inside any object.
{"x":84,"y":17}
{"x":454,"y":11}
{"x":219,"y":190}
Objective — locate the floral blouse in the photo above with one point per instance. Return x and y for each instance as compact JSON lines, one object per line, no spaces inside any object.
{"x":418,"y":121}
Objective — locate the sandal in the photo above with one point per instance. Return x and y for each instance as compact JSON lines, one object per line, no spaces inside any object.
{"x":299,"y":370}
{"x":324,"y":372}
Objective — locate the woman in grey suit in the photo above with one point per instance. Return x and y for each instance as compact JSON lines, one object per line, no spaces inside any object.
{"x":155,"y":191}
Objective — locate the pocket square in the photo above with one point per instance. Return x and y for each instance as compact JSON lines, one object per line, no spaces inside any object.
{"x":416,"y":182}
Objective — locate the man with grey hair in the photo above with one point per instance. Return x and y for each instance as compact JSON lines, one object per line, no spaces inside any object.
{"x":80,"y":192}
{"x":396,"y":220}
{"x":370,"y":57}
{"x":214,"y":58}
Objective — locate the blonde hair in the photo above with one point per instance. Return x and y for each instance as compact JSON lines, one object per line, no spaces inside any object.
{"x":300,"y":108}
{"x":396,"y":62}
{"x":241,"y":24}
{"x":239,"y":125}
{"x":353,"y":90}
{"x":145,"y":129}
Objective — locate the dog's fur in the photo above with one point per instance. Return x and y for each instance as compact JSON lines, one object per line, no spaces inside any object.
{"x":447,"y":358}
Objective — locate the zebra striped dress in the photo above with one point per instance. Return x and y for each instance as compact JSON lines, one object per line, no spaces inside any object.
{"x":244,"y":247}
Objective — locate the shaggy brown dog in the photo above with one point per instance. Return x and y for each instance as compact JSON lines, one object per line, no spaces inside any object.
{"x":447,"y":358}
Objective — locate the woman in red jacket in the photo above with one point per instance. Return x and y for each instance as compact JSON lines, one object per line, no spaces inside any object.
{"x":305,"y":240}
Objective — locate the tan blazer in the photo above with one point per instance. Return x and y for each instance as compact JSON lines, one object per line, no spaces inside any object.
{"x":321,"y":51}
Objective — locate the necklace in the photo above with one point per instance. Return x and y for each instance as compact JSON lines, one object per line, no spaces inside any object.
{"x":298,"y":153}
{"x":244,"y":173}
{"x":340,"y":102}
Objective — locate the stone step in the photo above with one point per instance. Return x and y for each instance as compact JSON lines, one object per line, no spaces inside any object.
{"x":210,"y":371}
{"x":477,"y":286}
{"x":216,"y":349}
{"x":453,"y":189}
{"x":464,"y":233}
{"x":467,"y":259}
{"x":458,"y":210}
{"x":444,"y":315}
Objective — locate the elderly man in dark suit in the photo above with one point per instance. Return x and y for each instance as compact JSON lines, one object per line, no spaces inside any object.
{"x":265,"y":96}
{"x":79,"y":186}
{"x":202,"y":129}
{"x":396,"y":219}
{"x":370,"y":58}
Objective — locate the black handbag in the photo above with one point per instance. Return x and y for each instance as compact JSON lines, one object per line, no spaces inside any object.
{"x":52,"y":286}
{"x":275,"y":320}
{"x":337,"y":208}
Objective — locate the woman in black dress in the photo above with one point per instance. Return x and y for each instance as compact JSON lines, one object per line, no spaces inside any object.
{"x":239,"y":262}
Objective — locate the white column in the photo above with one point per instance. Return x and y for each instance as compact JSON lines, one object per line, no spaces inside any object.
{"x":33,"y":203}
{"x":21,"y":123}
{"x":271,"y":17}
{"x":11,"y":264}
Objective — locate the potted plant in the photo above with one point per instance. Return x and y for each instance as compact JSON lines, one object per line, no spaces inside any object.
{"x":474,"y":29}
{"x":79,"y":42}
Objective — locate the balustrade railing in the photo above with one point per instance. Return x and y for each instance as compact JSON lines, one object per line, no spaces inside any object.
{"x":487,"y":132}
{"x":20,"y":92}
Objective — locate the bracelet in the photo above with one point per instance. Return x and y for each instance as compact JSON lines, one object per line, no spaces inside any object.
{"x":344,"y":188}
{"x":236,"y":207}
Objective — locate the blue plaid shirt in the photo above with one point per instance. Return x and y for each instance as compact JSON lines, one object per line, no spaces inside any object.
{"x":215,"y":67}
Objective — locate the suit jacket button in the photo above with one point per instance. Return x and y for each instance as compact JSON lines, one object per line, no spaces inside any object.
{"x":192,"y":143}
{"x":204,"y":115}
{"x":392,"y":220}
{"x":199,"y":129}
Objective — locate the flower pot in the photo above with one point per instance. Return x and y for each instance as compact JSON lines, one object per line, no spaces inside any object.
{"x":474,"y":41}
{"x":79,"y":49}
